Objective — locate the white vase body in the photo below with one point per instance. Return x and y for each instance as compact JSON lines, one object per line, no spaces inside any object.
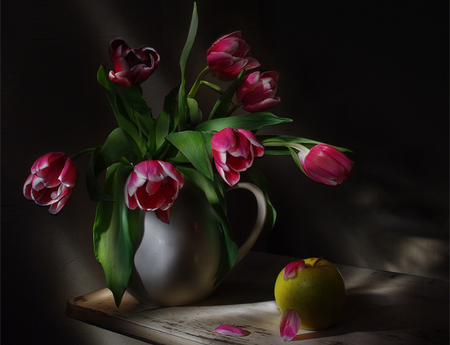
{"x":176,"y":263}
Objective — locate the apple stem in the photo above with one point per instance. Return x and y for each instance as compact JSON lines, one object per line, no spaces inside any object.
{"x":315,"y":262}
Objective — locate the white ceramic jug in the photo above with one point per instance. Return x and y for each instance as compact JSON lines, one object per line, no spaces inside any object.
{"x":176,"y":264}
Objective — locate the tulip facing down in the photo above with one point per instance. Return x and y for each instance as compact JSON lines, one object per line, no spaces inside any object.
{"x":257,"y":91}
{"x":51,"y":181}
{"x":153,"y":186}
{"x":131,"y":65}
{"x":234,"y":151}
{"x":227,"y":56}
{"x":326,"y":164}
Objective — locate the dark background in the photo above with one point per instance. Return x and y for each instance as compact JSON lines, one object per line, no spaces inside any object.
{"x":368,"y":75}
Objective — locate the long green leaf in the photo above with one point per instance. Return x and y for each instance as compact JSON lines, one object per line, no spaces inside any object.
{"x":195,"y":114}
{"x":119,"y":105}
{"x":251,"y":122}
{"x":112,"y":242}
{"x":123,"y":113}
{"x":222,"y":105}
{"x":195,"y":146}
{"x":182,"y":97}
{"x":116,"y":146}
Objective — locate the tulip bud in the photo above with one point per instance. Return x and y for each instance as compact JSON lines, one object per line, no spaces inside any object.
{"x":257,"y":91}
{"x":227,"y":56}
{"x":51,"y":181}
{"x":326,"y":164}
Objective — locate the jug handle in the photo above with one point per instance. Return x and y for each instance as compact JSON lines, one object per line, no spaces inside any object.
{"x":260,"y":218}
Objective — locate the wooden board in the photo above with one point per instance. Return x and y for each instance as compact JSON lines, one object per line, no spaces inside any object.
{"x":381,"y":308}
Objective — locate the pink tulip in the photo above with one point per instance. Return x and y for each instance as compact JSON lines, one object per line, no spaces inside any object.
{"x":153,"y":186}
{"x":326,"y":164}
{"x":257,"y":91}
{"x":226,"y":56}
{"x":131,"y":65}
{"x":233,"y":151}
{"x":51,"y":181}
{"x":289,"y":324}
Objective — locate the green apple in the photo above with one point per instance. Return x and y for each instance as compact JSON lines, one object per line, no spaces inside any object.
{"x":316,"y":292}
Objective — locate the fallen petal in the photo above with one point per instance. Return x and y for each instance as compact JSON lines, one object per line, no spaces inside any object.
{"x":291,"y":269}
{"x":230,"y":330}
{"x":289,"y":324}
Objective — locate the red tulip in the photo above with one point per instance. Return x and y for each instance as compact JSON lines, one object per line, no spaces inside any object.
{"x":233,"y":151}
{"x":326,"y":164}
{"x":226,"y":56}
{"x":131,"y":65}
{"x":257,"y":91}
{"x":153,"y":186}
{"x":51,"y":181}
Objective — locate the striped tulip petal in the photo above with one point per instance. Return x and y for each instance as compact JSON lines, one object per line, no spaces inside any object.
{"x":230,"y":330}
{"x":290,"y":270}
{"x":289,"y":324}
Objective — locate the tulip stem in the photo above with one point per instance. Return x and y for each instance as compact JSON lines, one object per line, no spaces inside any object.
{"x":82,"y":153}
{"x":296,"y":146}
{"x":237,"y":105}
{"x":198,"y":82}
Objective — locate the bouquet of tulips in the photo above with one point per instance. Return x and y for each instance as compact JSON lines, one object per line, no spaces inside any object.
{"x":147,"y":158}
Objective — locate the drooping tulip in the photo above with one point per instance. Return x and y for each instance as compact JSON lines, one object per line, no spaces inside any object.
{"x":234,"y":151}
{"x":131,"y":65}
{"x":51,"y":181}
{"x":227,"y":56}
{"x":153,"y":186}
{"x":257,"y":91}
{"x":326,"y":164}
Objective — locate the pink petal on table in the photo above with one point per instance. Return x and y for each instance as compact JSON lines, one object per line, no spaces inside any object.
{"x":289,"y":324}
{"x":230,"y":330}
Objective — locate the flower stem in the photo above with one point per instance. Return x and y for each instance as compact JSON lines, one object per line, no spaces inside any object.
{"x":82,"y":153}
{"x":237,"y":105}
{"x":197,"y":82}
{"x":296,"y":146}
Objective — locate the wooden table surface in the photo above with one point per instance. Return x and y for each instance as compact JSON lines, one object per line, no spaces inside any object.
{"x":381,"y":308}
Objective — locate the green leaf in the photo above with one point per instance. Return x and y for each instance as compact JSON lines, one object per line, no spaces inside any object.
{"x":170,"y":108}
{"x":216,"y":199}
{"x":116,"y":146}
{"x":119,"y":105}
{"x":112,"y":242}
{"x":251,"y":122}
{"x":212,"y":86}
{"x":182,"y":97}
{"x":134,"y":97}
{"x":222,"y":105}
{"x":196,"y":146}
{"x":195,"y":113}
{"x":162,"y":128}
{"x":123,"y":112}
{"x":95,"y":192}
